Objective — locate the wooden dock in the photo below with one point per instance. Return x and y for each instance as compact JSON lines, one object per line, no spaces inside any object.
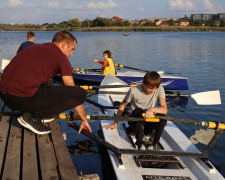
{"x":28,"y":156}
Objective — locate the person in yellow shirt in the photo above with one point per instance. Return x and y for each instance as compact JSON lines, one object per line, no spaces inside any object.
{"x":108,"y":64}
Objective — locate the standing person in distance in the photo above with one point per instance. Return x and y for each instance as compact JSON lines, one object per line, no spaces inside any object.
{"x":30,"y":41}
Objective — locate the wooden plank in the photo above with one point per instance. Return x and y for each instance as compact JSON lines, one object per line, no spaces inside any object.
{"x":30,"y":164}
{"x":65,"y":163}
{"x":4,"y":129}
{"x":12,"y":161}
{"x":47,"y":159}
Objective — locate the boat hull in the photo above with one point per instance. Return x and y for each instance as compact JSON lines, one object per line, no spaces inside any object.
{"x":168,"y":82}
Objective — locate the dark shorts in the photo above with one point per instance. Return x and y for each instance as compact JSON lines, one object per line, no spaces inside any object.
{"x":48,"y":101}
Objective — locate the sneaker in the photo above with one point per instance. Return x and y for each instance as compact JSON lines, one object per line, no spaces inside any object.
{"x":34,"y":124}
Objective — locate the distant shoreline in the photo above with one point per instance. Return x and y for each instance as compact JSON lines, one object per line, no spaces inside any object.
{"x":136,"y":28}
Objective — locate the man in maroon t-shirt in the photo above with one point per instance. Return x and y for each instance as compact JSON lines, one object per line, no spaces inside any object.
{"x":24,"y":84}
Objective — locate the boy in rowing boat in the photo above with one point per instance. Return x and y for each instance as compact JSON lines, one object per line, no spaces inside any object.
{"x":24,"y":84}
{"x":143,"y":99}
{"x":30,"y":41}
{"x":108,"y":64}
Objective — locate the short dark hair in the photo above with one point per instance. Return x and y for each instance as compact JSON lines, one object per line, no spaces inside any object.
{"x":108,"y":53}
{"x":30,"y":34}
{"x":64,"y":36}
{"x":152,"y":79}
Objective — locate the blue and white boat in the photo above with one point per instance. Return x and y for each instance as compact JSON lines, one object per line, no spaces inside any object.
{"x":132,"y":77}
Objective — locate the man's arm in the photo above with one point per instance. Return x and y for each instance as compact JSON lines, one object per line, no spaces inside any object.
{"x":119,"y":113}
{"x":161,"y":110}
{"x":68,"y":81}
{"x":84,"y":124}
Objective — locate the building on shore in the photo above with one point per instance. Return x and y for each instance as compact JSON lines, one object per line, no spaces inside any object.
{"x":207,"y":17}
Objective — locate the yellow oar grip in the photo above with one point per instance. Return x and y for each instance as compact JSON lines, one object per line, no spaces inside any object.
{"x":143,"y":115}
{"x":86,"y":87}
{"x":63,"y":116}
{"x":152,"y":119}
{"x":221,"y":126}
{"x":91,"y":91}
{"x":77,"y":69}
{"x":132,"y":85}
{"x":119,"y":65}
{"x":213,"y":125}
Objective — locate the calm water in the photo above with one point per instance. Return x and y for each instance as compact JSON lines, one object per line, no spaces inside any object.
{"x":196,"y":55}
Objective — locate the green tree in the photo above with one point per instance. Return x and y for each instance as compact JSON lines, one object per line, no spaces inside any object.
{"x":222,"y":22}
{"x":87,"y":23}
{"x":117,"y":23}
{"x":149,"y":24}
{"x":171,"y":22}
{"x":51,"y":25}
{"x":102,"y":22}
{"x":74,"y":22}
{"x":126,"y":23}
{"x":209,"y":23}
{"x":195,"y":23}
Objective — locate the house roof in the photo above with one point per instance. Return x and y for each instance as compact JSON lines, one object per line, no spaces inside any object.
{"x":182,"y":20}
{"x":116,"y":18}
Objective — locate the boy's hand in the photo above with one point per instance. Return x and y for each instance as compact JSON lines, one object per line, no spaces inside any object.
{"x":95,"y":60}
{"x":111,"y":127}
{"x":149,"y":113}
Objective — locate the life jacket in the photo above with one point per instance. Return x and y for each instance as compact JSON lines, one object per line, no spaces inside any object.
{"x":110,"y":68}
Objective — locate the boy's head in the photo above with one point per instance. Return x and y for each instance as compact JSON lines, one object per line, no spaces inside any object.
{"x":30,"y":36}
{"x":151,"y":82}
{"x":107,"y":53}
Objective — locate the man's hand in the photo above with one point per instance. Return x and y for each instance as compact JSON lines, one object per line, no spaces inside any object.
{"x":111,"y":127}
{"x":84,"y":125}
{"x":149,"y":113}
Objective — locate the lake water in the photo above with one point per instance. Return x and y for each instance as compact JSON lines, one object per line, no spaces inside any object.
{"x":199,"y":56}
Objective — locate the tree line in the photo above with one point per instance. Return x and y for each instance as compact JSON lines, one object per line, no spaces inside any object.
{"x":104,"y":22}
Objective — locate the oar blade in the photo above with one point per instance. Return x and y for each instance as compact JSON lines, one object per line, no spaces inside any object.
{"x":207,"y":98}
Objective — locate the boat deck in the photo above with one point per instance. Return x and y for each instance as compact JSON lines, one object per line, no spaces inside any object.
{"x":25,"y":155}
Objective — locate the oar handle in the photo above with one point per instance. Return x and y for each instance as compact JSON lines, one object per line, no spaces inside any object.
{"x":152,"y":119}
{"x":77,"y":69}
{"x":64,"y":116}
{"x":213,"y":125}
{"x":107,"y":86}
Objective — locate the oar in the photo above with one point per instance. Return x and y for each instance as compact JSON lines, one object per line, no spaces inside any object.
{"x":90,"y":70}
{"x":213,"y":125}
{"x":107,"y":86}
{"x":203,"y":98}
{"x":122,"y":66}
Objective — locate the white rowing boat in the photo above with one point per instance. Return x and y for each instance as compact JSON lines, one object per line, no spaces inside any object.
{"x":172,"y":140}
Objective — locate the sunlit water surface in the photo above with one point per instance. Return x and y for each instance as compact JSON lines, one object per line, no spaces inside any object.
{"x":199,"y":56}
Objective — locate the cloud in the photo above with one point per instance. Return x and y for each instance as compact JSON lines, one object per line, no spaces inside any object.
{"x":100,"y":4}
{"x":15,"y":3}
{"x":211,"y":7}
{"x":141,"y":9}
{"x":181,"y":5}
{"x":70,"y":4}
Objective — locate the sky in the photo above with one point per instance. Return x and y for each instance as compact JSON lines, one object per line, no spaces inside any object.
{"x":56,"y":11}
